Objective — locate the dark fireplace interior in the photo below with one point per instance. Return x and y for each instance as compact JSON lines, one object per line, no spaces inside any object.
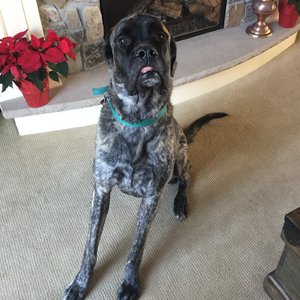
{"x":184,"y":18}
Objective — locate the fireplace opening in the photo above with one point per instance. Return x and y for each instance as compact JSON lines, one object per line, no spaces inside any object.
{"x":184,"y":18}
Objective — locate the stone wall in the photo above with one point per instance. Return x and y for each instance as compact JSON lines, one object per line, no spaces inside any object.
{"x":81,"y":20}
{"x":238,"y":12}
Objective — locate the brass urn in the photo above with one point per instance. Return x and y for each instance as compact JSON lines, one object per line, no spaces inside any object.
{"x":262,"y":9}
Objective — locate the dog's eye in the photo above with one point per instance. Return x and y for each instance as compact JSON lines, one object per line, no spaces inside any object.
{"x":161,"y":36}
{"x":122,"y":41}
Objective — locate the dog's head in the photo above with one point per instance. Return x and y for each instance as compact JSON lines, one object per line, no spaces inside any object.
{"x":141,"y":54}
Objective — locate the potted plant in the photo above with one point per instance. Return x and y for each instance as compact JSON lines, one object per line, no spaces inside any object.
{"x":289,"y":10}
{"x":30,"y":62}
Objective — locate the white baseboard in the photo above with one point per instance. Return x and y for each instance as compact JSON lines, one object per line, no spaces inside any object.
{"x":89,"y":115}
{"x":58,"y":120}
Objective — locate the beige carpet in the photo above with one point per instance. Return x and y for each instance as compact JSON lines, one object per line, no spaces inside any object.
{"x":245,"y":178}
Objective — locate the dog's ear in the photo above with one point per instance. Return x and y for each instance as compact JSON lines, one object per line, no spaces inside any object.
{"x":173,"y":51}
{"x":108,"y":51}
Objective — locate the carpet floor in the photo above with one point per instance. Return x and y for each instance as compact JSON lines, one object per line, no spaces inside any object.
{"x":245,"y":177}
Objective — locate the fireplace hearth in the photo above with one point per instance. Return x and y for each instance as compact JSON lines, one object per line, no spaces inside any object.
{"x":184,"y":18}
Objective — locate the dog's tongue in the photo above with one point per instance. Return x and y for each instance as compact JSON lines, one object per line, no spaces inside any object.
{"x":146,"y":69}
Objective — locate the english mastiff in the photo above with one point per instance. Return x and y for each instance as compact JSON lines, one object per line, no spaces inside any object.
{"x":139,"y":145}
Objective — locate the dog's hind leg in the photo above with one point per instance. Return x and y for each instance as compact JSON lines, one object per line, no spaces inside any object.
{"x":182,"y":170}
{"x":77,"y":289}
{"x":130,"y":287}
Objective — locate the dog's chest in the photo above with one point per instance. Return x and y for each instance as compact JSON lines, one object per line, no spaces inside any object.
{"x":136,"y":162}
{"x":137,"y":171}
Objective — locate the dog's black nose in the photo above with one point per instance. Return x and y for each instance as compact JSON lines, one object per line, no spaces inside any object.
{"x":146,"y":52}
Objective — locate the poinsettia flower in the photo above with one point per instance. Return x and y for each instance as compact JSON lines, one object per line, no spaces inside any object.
{"x":18,"y":74}
{"x":35,"y":42}
{"x":64,"y":46}
{"x":45,"y":44}
{"x":20,"y":58}
{"x":3,"y":59}
{"x":70,"y":43}
{"x":6,"y":68}
{"x":21,"y":46}
{"x":72,"y":55}
{"x":19,"y":35}
{"x":29,"y":61}
{"x":67,"y":46}
{"x":12,"y":58}
{"x":7,"y":40}
{"x":4,"y":49}
{"x":52,"y":36}
{"x":54,"y":55}
{"x":43,"y":59}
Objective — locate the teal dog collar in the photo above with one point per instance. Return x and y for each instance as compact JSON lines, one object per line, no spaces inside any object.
{"x":143,"y":123}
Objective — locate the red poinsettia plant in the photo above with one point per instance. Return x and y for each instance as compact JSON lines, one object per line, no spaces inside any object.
{"x":35,"y":59}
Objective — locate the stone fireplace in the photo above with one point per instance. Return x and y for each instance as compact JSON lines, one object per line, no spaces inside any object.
{"x":87,"y":21}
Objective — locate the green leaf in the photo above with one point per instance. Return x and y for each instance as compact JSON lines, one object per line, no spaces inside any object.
{"x":6,"y":81}
{"x":4,"y":87}
{"x":63,"y":68}
{"x":297,"y":5}
{"x":36,"y":80}
{"x":39,"y":84}
{"x":54,"y":76}
{"x":52,"y":66}
{"x":38,"y":75}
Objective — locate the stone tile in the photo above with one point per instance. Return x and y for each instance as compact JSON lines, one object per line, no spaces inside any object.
{"x":235,"y":14}
{"x":58,"y":3}
{"x":249,"y":15}
{"x":72,"y":18}
{"x":77,"y":35}
{"x":92,"y":21}
{"x":49,"y":14}
{"x":92,"y":16}
{"x":92,"y":55}
{"x":94,"y":34}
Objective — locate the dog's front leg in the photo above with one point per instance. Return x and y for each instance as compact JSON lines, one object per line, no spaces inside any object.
{"x":77,"y":289}
{"x":130,"y":287}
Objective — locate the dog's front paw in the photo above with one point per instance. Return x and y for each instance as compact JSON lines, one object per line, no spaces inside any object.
{"x":74,"y":292}
{"x":129,"y":291}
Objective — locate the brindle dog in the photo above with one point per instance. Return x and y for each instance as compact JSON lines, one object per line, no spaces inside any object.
{"x":139,"y":145}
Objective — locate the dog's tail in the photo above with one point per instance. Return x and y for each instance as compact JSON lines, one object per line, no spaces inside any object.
{"x":191,"y":131}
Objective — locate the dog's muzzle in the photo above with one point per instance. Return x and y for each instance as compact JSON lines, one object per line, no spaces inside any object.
{"x":147,"y":57}
{"x":146,"y":53}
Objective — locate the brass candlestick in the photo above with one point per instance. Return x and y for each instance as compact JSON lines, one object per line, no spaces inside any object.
{"x":262,"y":9}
